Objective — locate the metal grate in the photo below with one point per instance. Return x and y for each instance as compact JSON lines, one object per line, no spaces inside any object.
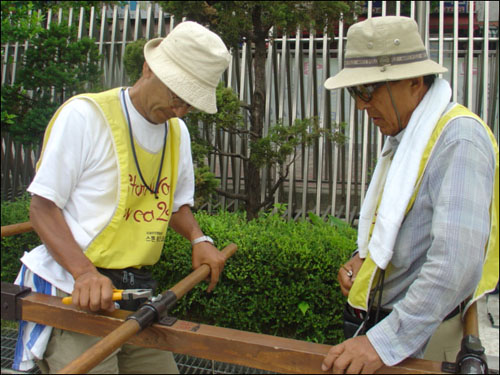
{"x":186,"y":364}
{"x":9,"y":339}
{"x":193,"y":365}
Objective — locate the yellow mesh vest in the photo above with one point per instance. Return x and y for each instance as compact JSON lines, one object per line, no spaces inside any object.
{"x":368,"y":274}
{"x":135,"y":234}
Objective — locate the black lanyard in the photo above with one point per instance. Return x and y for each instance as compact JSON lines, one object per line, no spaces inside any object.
{"x":155,"y":192}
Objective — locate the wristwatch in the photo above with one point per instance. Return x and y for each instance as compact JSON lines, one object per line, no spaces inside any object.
{"x":202,"y":239}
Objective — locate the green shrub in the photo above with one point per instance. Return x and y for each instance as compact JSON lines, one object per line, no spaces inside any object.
{"x":13,"y":247}
{"x":282,"y":280}
{"x":56,"y":65}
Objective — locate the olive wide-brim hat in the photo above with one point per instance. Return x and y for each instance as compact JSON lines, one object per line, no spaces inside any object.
{"x":190,"y":61}
{"x":383,"y":49}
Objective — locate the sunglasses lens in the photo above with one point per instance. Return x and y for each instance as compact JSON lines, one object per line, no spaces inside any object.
{"x":362,"y":92}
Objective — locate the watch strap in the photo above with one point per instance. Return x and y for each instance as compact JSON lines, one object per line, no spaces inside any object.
{"x":202,"y":239}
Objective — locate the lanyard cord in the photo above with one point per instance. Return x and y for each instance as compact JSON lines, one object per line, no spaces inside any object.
{"x":394,"y":106}
{"x":155,"y":192}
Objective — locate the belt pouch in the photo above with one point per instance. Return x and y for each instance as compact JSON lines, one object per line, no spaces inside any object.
{"x":130,"y":278}
{"x":351,"y":322}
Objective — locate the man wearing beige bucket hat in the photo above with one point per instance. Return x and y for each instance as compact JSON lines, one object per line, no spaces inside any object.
{"x":114,"y":173}
{"x":428,"y":227}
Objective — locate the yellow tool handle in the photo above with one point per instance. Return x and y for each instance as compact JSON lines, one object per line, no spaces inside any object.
{"x":117,"y":296}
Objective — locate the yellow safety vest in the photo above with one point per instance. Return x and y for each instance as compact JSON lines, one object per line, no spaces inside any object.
{"x":368,"y":274}
{"x":135,"y":234}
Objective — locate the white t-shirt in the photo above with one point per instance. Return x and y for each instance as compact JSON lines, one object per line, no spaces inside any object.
{"x":79,"y":174}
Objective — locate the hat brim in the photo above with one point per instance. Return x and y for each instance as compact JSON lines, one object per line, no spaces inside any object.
{"x":348,"y":77}
{"x":194,"y":92}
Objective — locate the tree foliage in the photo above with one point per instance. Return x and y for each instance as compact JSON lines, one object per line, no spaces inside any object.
{"x":55,"y":66}
{"x":133,"y":59}
{"x":20,"y":21}
{"x":250,"y":21}
{"x":236,"y":21}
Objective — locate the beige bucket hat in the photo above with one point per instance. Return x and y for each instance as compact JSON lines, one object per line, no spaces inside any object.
{"x":190,"y":61}
{"x":383,"y":49}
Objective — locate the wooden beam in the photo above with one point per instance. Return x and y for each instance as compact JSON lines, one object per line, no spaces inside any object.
{"x":249,"y":349}
{"x":10,"y":230}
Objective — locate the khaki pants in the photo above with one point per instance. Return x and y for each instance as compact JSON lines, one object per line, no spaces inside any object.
{"x":444,"y":344}
{"x":65,"y":346}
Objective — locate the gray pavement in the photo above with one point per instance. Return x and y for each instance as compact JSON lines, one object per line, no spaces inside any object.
{"x":488,"y":334}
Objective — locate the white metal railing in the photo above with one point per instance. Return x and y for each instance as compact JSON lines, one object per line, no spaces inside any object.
{"x":325,"y":178}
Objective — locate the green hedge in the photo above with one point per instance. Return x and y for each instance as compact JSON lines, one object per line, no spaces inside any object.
{"x":282,"y":280}
{"x":13,"y":247}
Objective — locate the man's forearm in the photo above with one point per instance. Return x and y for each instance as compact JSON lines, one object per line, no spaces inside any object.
{"x":48,"y":221}
{"x":184,"y":223}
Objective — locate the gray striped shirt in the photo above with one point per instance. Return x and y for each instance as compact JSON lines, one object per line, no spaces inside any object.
{"x":439,"y":250}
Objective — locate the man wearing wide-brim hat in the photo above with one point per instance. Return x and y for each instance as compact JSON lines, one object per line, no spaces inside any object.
{"x":428,"y":228}
{"x":114,"y":173}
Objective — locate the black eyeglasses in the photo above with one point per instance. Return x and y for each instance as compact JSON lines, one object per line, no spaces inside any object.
{"x":364,"y":92}
{"x":178,"y":102}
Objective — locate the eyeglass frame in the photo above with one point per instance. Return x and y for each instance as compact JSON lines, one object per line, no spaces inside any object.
{"x":183,"y":104}
{"x":369,"y":89}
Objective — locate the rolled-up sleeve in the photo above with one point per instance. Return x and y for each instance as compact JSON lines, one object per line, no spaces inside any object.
{"x":184,"y":191}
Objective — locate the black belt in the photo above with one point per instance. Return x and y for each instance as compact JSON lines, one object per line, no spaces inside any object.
{"x":382,"y":314}
{"x":456,"y":310}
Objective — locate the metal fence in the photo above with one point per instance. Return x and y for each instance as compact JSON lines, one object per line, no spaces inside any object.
{"x":18,"y":167}
{"x":325,"y":178}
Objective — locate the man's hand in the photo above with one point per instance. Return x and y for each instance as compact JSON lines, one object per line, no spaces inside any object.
{"x":347,"y":273}
{"x":94,"y":292}
{"x":353,"y":356}
{"x":184,"y":223}
{"x":206,"y":253}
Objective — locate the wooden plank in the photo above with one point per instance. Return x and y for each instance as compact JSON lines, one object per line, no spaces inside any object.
{"x":221,"y":344}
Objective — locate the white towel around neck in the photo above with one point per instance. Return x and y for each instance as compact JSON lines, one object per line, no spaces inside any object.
{"x":401,"y":176}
